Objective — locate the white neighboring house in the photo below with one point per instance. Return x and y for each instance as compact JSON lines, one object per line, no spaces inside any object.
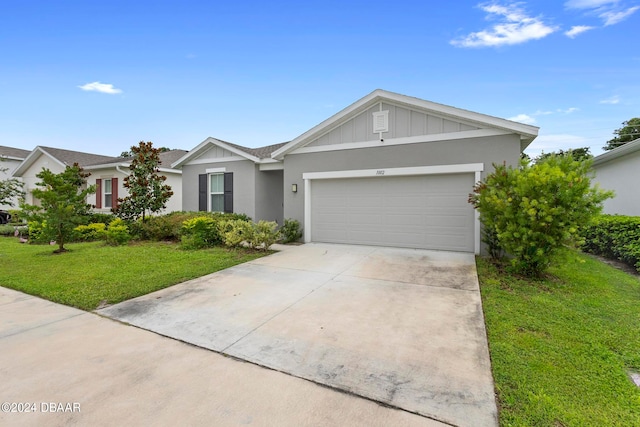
{"x":619,"y":170}
{"x":10,"y":159}
{"x":106,"y":172}
{"x":109,"y":180}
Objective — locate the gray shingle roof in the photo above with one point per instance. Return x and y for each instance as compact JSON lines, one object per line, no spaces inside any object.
{"x":16,"y":153}
{"x":260,"y":152}
{"x":69,"y":157}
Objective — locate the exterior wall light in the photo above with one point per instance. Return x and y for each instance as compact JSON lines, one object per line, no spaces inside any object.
{"x":294,"y":188}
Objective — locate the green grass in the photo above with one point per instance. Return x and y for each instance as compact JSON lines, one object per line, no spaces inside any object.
{"x":561,"y":346}
{"x":92,"y":273}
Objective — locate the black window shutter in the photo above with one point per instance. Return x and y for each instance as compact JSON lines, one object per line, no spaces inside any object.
{"x":202,"y":192}
{"x":228,"y":192}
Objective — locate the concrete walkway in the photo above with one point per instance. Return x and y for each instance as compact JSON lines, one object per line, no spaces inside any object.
{"x":398,"y":326}
{"x":77,"y":368}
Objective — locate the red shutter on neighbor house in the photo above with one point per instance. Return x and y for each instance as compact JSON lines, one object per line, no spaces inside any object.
{"x":98,"y":193}
{"x":114,"y":192}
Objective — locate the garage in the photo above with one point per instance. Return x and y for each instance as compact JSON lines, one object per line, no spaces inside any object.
{"x":412,"y":211}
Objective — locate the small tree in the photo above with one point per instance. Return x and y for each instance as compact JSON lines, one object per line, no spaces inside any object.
{"x":147,"y":191}
{"x":533,"y":210}
{"x":578,"y":154}
{"x":9,"y":189}
{"x":629,"y":131}
{"x":63,"y":203}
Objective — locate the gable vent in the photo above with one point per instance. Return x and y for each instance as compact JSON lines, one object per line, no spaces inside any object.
{"x":381,"y":121}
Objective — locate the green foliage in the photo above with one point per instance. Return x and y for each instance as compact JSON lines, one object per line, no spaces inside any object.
{"x":10,"y":230}
{"x":615,"y":237}
{"x":234,"y":232}
{"x":536,"y":209}
{"x":200,"y":232}
{"x":37,"y":232}
{"x":63,"y":204}
{"x":18,"y":216}
{"x":117,"y":233}
{"x":290,"y":230}
{"x":98,"y":217}
{"x":10,"y":189}
{"x":147,"y":191}
{"x":629,"y":131}
{"x":91,"y":232}
{"x":578,"y":154}
{"x":265,"y":234}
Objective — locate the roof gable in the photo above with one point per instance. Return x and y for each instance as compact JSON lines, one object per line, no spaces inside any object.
{"x":62,"y":157}
{"x":407,"y":117}
{"x":213,"y":148}
{"x":623,"y":150}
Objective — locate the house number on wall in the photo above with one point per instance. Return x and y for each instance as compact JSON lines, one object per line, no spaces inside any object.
{"x":380,"y":172}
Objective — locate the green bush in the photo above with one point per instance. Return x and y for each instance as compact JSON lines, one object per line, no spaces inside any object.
{"x":536,"y":209}
{"x":615,"y":237}
{"x":37,"y":232}
{"x":7,"y":230}
{"x":117,"y":233}
{"x":98,"y":217}
{"x":265,"y":234}
{"x":200,"y":232}
{"x":169,"y":226}
{"x":234,"y":232}
{"x":17,"y":216}
{"x":91,"y":232}
{"x":290,"y":231}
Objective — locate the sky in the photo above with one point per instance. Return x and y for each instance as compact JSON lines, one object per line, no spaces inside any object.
{"x":101,"y":76}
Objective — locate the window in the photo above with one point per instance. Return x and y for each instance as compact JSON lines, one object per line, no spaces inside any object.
{"x":216,"y":192}
{"x":108,"y":193}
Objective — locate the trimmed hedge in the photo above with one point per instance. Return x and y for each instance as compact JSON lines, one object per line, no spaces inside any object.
{"x":615,"y":237}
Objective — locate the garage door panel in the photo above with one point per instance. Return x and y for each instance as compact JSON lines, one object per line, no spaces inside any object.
{"x":428,"y":212}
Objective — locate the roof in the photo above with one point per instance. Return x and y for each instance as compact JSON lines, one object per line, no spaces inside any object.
{"x":256,"y":155}
{"x":13,"y":153}
{"x":527,"y":132}
{"x":87,"y":160}
{"x":623,"y":150}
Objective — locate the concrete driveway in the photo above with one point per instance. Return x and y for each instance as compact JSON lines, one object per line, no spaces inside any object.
{"x":401,"y":327}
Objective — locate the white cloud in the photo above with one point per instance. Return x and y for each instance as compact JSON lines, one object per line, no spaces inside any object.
{"x":515,"y":27}
{"x":100,"y":87}
{"x":613,"y":100}
{"x":523,"y":118}
{"x":588,"y":4}
{"x":611,"y":17}
{"x":577,"y":29}
{"x":568,"y":110}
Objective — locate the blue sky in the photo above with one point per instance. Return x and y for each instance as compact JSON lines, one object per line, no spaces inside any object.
{"x":101,"y":76}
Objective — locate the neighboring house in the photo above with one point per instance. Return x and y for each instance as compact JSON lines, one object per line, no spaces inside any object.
{"x":107,"y":173}
{"x":388,"y":170}
{"x":619,"y":170}
{"x":109,"y":177}
{"x":10,"y":159}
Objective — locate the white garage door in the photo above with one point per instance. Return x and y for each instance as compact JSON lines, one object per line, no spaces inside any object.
{"x":427,"y":211}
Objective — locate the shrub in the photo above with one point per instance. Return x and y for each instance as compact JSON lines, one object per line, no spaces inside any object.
{"x":117,"y":233}
{"x":91,"y":232}
{"x":7,"y":230}
{"x":265,"y":234}
{"x":615,"y":237}
{"x":98,"y":217}
{"x":200,"y":232}
{"x":17,"y":216}
{"x":535,"y":209}
{"x":290,"y":231}
{"x":37,"y":232}
{"x":235,"y":231}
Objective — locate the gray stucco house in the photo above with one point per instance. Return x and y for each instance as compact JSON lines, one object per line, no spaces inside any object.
{"x":619,"y":170}
{"x":388,"y":170}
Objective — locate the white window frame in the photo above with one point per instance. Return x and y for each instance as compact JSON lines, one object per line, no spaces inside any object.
{"x":211,"y":193}
{"x":107,"y":205}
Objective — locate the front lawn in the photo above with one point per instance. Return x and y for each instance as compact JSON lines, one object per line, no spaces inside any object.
{"x":561,"y":346}
{"x":92,"y":273}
